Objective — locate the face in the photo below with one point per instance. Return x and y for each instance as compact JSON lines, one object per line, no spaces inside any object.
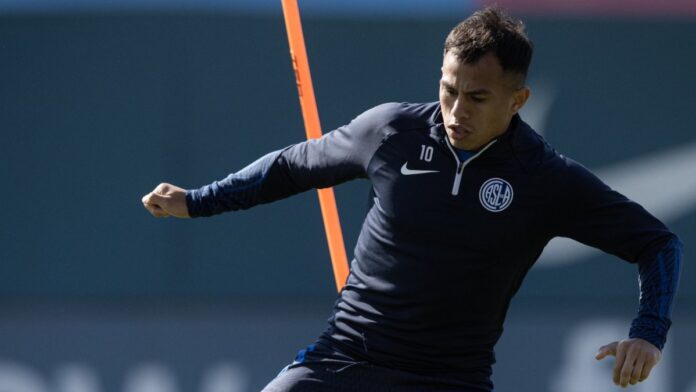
{"x":478,"y":100}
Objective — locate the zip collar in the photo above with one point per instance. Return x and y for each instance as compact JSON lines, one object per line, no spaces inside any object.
{"x":461,"y":165}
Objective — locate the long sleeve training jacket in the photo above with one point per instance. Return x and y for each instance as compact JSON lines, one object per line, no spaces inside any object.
{"x":446,"y":244}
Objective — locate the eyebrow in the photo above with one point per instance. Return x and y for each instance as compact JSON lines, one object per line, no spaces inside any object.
{"x":481,"y":91}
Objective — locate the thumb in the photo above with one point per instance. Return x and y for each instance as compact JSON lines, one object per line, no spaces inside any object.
{"x":604,"y":351}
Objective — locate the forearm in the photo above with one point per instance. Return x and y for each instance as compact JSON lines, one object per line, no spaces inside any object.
{"x":241,"y":190}
{"x":659,"y":279}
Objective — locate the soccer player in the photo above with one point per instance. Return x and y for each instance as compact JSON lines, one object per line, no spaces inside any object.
{"x":465,"y":197}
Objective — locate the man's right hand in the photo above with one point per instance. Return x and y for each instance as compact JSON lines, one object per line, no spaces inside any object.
{"x":166,"y":200}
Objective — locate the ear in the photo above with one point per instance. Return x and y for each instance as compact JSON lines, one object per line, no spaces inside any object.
{"x":519,"y":98}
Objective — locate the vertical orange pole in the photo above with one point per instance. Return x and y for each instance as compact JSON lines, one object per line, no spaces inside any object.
{"x":327,"y":201}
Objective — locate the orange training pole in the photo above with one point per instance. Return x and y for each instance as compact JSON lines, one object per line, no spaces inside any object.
{"x":327,"y":201}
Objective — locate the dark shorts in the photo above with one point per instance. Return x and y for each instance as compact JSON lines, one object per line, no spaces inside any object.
{"x":321,"y":369}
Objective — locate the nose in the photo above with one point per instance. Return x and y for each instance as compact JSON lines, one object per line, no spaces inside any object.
{"x":460,"y":109}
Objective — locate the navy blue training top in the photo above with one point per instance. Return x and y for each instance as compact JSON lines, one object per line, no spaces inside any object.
{"x":425,"y":292}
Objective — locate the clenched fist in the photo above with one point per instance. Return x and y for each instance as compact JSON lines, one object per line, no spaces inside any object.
{"x":166,"y":200}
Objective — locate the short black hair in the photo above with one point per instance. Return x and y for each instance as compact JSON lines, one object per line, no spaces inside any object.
{"x":492,"y":30}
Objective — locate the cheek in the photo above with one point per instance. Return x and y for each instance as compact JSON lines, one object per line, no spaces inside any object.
{"x":495,"y":112}
{"x":507,"y":108}
{"x":497,"y":117}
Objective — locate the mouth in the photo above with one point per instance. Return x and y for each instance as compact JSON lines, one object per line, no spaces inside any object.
{"x":458,"y":132}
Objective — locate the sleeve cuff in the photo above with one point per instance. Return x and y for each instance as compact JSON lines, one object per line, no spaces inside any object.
{"x":651,"y":329}
{"x":192,"y":202}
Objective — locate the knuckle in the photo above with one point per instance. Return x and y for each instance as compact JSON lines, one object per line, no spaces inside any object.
{"x":621,"y":347}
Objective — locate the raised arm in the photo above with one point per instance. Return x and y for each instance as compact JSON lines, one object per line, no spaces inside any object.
{"x":598,"y":216}
{"x":340,"y":155}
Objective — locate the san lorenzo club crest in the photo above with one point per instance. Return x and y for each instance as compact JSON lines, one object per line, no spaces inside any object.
{"x":495,"y":194}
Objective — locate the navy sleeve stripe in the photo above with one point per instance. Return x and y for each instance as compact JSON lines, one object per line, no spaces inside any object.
{"x":659,"y":280}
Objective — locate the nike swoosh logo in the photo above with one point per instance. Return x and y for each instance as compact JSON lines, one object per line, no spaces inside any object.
{"x":408,"y":172}
{"x":663,"y":183}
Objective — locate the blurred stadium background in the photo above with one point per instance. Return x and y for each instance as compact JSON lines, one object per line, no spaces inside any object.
{"x":101,"y":100}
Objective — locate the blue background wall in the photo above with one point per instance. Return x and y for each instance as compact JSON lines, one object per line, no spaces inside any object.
{"x":96,"y":108}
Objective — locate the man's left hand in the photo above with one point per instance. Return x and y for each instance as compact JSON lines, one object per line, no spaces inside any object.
{"x":635,"y":358}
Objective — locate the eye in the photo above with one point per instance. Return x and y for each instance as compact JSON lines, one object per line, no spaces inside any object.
{"x":451,"y":91}
{"x":477,"y":99}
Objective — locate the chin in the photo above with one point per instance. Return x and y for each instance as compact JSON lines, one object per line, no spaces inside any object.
{"x":467,"y":143}
{"x":461,"y":144}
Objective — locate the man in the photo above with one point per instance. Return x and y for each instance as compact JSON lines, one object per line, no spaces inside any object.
{"x":466,"y":196}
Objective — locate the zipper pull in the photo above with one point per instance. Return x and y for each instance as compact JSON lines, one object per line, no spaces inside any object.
{"x":458,"y":179}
